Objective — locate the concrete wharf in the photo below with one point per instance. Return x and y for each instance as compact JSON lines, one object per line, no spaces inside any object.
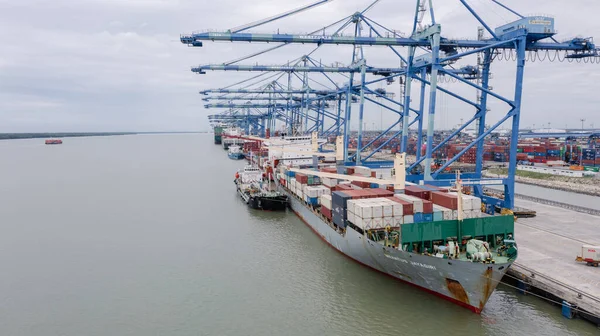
{"x":548,"y":245}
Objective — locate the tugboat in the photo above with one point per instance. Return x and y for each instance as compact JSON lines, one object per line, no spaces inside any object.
{"x":53,"y":142}
{"x":250,"y":187}
{"x":235,"y":152}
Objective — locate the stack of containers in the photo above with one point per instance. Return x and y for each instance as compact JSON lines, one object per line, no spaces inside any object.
{"x":325,"y":201}
{"x":374,"y":213}
{"x":312,"y":194}
{"x":588,"y":156}
{"x":441,"y":213}
{"x":403,"y":210}
{"x":420,"y":208}
{"x":340,"y":204}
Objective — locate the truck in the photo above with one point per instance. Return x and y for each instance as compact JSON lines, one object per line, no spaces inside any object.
{"x":589,"y":255}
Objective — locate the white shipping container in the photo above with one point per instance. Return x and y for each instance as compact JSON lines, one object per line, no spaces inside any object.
{"x":351,"y":217}
{"x":330,"y":182}
{"x":397,"y":209}
{"x":362,"y":170}
{"x":398,"y":220}
{"x":446,"y":213}
{"x":590,"y":252}
{"x":364,"y":210}
{"x":388,"y":221}
{"x":476,"y":203}
{"x":378,"y":223}
{"x":417,"y":202}
{"x":325,"y":201}
{"x":355,"y":187}
{"x":363,"y":223}
{"x":351,"y":206}
{"x":388,"y":211}
{"x":408,"y":219}
{"x":377,"y":210}
{"x":326,"y":191}
{"x":311,"y":192}
{"x":454,"y":214}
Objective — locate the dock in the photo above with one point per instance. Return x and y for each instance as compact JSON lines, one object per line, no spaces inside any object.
{"x":548,"y":246}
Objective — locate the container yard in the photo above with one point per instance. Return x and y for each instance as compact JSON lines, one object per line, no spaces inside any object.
{"x":410,"y":200}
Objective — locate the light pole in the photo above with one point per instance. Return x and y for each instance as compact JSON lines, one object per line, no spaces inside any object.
{"x":582,"y":121}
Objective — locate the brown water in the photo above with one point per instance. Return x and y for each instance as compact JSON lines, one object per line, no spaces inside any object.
{"x":144,"y":235}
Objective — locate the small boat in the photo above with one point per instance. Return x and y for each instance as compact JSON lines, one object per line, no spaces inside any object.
{"x":53,"y":142}
{"x":250,"y":184}
{"x":235,"y":152}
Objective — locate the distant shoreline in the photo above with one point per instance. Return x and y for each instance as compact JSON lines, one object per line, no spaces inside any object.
{"x":13,"y":136}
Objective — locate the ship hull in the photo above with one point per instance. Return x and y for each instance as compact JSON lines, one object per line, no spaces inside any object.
{"x":266,"y":203}
{"x":462,"y":282}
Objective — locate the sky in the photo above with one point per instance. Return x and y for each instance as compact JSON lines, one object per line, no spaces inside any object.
{"x":118,"y":65}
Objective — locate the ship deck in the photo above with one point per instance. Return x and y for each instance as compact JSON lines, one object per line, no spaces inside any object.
{"x":548,"y":245}
{"x":463,"y":256}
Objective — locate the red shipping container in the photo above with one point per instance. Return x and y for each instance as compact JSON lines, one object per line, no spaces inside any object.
{"x":407,"y":207}
{"x":301,"y":178}
{"x":417,"y":192}
{"x":382,"y":192}
{"x":329,"y":170}
{"x":361,"y":184}
{"x":326,"y":212}
{"x":373,"y":174}
{"x":434,"y":188}
{"x":427,"y":207}
{"x":445,"y":200}
{"x":350,"y":170}
{"x":341,"y":187}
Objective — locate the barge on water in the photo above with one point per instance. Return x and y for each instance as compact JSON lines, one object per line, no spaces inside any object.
{"x":235,"y":153}
{"x":250,"y":187}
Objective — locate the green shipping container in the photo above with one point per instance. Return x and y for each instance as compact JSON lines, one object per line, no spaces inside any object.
{"x":592,"y":169}
{"x":519,"y":150}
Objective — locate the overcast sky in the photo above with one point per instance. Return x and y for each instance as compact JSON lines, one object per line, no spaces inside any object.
{"x":118,"y":65}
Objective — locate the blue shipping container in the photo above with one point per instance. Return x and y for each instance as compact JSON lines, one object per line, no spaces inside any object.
{"x":312,"y":200}
{"x":438,"y":216}
{"x":588,"y":154}
{"x":418,"y":217}
{"x":338,"y":220}
{"x":428,"y":217}
{"x":291,"y":173}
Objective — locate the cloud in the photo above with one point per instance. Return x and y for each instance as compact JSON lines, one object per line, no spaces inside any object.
{"x":118,"y":65}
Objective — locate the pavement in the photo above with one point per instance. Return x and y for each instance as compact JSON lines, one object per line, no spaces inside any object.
{"x":549,"y":244}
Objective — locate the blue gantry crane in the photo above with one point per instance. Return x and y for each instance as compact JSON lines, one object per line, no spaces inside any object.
{"x":525,"y":39}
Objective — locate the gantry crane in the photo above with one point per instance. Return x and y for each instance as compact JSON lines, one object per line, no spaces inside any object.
{"x":526,"y":38}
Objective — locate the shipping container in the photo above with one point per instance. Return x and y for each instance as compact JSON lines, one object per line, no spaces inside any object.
{"x":326,"y":212}
{"x":407,"y":207}
{"x":445,"y":199}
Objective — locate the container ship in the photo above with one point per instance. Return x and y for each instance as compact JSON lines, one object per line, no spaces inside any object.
{"x":436,"y":239}
{"x":54,"y":142}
